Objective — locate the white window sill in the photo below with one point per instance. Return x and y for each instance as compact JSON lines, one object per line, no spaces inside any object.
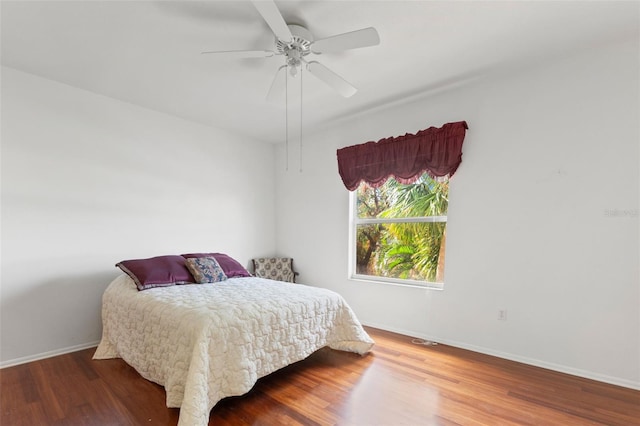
{"x":397,"y":282}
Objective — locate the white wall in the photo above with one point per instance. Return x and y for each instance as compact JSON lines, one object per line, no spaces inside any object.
{"x":543,"y":217}
{"x":88,"y":181}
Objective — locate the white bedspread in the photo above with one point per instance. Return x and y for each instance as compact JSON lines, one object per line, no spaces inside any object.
{"x":206,"y":342}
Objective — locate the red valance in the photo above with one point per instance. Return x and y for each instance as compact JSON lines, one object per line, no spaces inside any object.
{"x":437,"y":151}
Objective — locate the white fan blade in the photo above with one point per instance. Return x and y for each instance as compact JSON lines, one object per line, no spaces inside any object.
{"x":240,"y":54}
{"x":332,"y":79}
{"x":273,"y":18}
{"x":352,"y":40}
{"x":277,"y":85}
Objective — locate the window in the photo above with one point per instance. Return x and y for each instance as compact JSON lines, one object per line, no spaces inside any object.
{"x":398,"y":228}
{"x":398,"y":231}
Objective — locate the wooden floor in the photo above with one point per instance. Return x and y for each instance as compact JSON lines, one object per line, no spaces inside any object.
{"x":400,"y":383}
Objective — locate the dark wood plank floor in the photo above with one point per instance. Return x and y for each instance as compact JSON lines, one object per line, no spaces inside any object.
{"x":398,"y":384}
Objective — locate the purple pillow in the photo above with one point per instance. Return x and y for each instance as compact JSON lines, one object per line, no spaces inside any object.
{"x":161,"y":271}
{"x":229,"y":265}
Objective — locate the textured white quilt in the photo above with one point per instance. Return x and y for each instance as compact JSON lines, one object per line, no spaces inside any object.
{"x":209,"y":341}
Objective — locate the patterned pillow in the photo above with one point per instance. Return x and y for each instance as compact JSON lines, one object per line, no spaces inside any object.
{"x":231,"y":267}
{"x":205,"y":269}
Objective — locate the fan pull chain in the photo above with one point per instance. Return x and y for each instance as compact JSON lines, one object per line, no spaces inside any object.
{"x":286,"y":118}
{"x":300,"y":145}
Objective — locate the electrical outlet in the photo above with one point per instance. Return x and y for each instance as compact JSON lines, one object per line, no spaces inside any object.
{"x":502,"y":315}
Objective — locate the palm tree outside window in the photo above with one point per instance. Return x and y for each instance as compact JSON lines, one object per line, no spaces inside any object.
{"x":399,"y":231}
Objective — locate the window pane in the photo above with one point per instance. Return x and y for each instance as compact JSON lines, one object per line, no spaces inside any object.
{"x":425,"y":197}
{"x":413,"y":251}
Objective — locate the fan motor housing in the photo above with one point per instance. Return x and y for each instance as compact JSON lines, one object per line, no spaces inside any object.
{"x":301,"y":42}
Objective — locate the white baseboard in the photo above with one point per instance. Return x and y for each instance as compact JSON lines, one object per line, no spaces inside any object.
{"x":48,"y":354}
{"x":511,"y":357}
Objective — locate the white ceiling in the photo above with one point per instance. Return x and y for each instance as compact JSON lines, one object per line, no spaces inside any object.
{"x":148,"y":52}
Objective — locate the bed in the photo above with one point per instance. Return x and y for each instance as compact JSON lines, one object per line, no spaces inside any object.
{"x":207,"y":342}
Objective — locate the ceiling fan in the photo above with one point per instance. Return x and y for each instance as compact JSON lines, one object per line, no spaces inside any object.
{"x":295,"y":43}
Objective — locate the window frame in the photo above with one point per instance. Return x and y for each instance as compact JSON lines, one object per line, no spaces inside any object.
{"x":354,"y":221}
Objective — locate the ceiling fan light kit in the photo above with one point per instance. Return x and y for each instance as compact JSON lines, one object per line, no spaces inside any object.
{"x":297,"y":49}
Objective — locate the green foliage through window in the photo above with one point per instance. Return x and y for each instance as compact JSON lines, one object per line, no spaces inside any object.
{"x":401,"y":229}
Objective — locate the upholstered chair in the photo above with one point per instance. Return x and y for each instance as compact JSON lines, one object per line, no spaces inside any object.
{"x":275,"y":268}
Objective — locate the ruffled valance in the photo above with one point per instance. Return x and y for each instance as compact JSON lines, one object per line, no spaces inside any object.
{"x":436,"y":151}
